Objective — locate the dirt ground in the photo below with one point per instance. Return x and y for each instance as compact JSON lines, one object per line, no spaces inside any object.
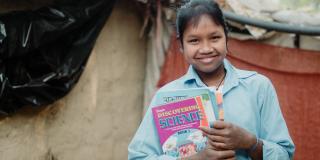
{"x":98,"y":118}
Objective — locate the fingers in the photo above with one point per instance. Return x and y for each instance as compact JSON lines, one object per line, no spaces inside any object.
{"x":219,"y":143}
{"x":226,"y":154}
{"x":217,"y":125}
{"x":212,"y":131}
{"x":220,"y":146}
{"x":211,"y":153}
{"x":217,"y":138}
{"x":232,"y":158}
{"x":220,"y":124}
{"x":206,"y":130}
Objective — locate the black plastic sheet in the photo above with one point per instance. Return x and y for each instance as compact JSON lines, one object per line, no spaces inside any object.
{"x":43,"y":52}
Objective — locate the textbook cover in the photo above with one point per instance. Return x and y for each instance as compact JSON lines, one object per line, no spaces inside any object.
{"x":208,"y":98}
{"x":178,"y":122}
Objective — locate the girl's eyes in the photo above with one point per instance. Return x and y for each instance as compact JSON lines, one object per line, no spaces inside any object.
{"x":215,"y":38}
{"x":193,"y":41}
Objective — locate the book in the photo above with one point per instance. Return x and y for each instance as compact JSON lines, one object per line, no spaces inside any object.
{"x":219,"y":100}
{"x":178,"y":116}
{"x":208,"y":97}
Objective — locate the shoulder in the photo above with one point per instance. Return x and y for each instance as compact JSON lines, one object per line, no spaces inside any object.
{"x":253,"y":78}
{"x":256,"y":85}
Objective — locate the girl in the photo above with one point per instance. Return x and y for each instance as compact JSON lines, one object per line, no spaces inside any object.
{"x":253,"y":127}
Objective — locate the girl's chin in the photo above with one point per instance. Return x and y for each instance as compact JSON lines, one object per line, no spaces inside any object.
{"x":207,"y":69}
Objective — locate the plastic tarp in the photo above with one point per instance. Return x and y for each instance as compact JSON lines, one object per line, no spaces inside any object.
{"x":43,"y":52}
{"x":295,"y":74}
{"x":294,"y":12}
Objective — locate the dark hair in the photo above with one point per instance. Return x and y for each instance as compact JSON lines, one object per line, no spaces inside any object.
{"x":192,"y":11}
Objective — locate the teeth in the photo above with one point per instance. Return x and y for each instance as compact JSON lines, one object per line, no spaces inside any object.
{"x":206,"y":60}
{"x":212,"y":56}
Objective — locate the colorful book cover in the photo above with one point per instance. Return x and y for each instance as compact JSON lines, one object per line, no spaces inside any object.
{"x":208,"y":98}
{"x":178,"y":124}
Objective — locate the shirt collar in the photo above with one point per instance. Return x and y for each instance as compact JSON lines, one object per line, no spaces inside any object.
{"x":231,"y":79}
{"x":192,"y":76}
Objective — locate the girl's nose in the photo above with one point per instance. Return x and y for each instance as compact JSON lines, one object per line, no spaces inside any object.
{"x":206,"y":49}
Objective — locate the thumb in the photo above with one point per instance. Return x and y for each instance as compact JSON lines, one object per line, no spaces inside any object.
{"x":206,"y":130}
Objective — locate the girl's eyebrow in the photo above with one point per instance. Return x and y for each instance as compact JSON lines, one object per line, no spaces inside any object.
{"x":215,"y":33}
{"x":192,"y":36}
{"x":210,"y":34}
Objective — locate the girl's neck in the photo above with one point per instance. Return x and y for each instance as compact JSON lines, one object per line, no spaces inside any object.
{"x":214,"y":78}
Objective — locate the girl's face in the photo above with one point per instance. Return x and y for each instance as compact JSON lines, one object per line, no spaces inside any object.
{"x":204,"y":45}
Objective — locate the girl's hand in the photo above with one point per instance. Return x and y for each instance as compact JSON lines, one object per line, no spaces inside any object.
{"x":227,"y":136}
{"x":209,"y":153}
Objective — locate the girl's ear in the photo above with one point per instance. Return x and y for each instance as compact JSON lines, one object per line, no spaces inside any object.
{"x":181,"y":49}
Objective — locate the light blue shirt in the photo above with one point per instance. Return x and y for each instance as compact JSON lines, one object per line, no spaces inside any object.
{"x":249,"y":101}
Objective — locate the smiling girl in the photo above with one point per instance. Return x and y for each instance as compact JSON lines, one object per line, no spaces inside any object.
{"x":253,"y":125}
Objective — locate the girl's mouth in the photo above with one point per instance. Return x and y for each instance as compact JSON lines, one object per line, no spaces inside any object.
{"x":206,"y":59}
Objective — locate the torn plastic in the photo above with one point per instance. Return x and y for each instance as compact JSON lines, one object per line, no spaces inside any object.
{"x":43,"y":52}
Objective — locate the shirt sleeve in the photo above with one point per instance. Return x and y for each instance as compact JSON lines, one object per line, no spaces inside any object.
{"x":145,"y":144}
{"x":277,"y":143}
